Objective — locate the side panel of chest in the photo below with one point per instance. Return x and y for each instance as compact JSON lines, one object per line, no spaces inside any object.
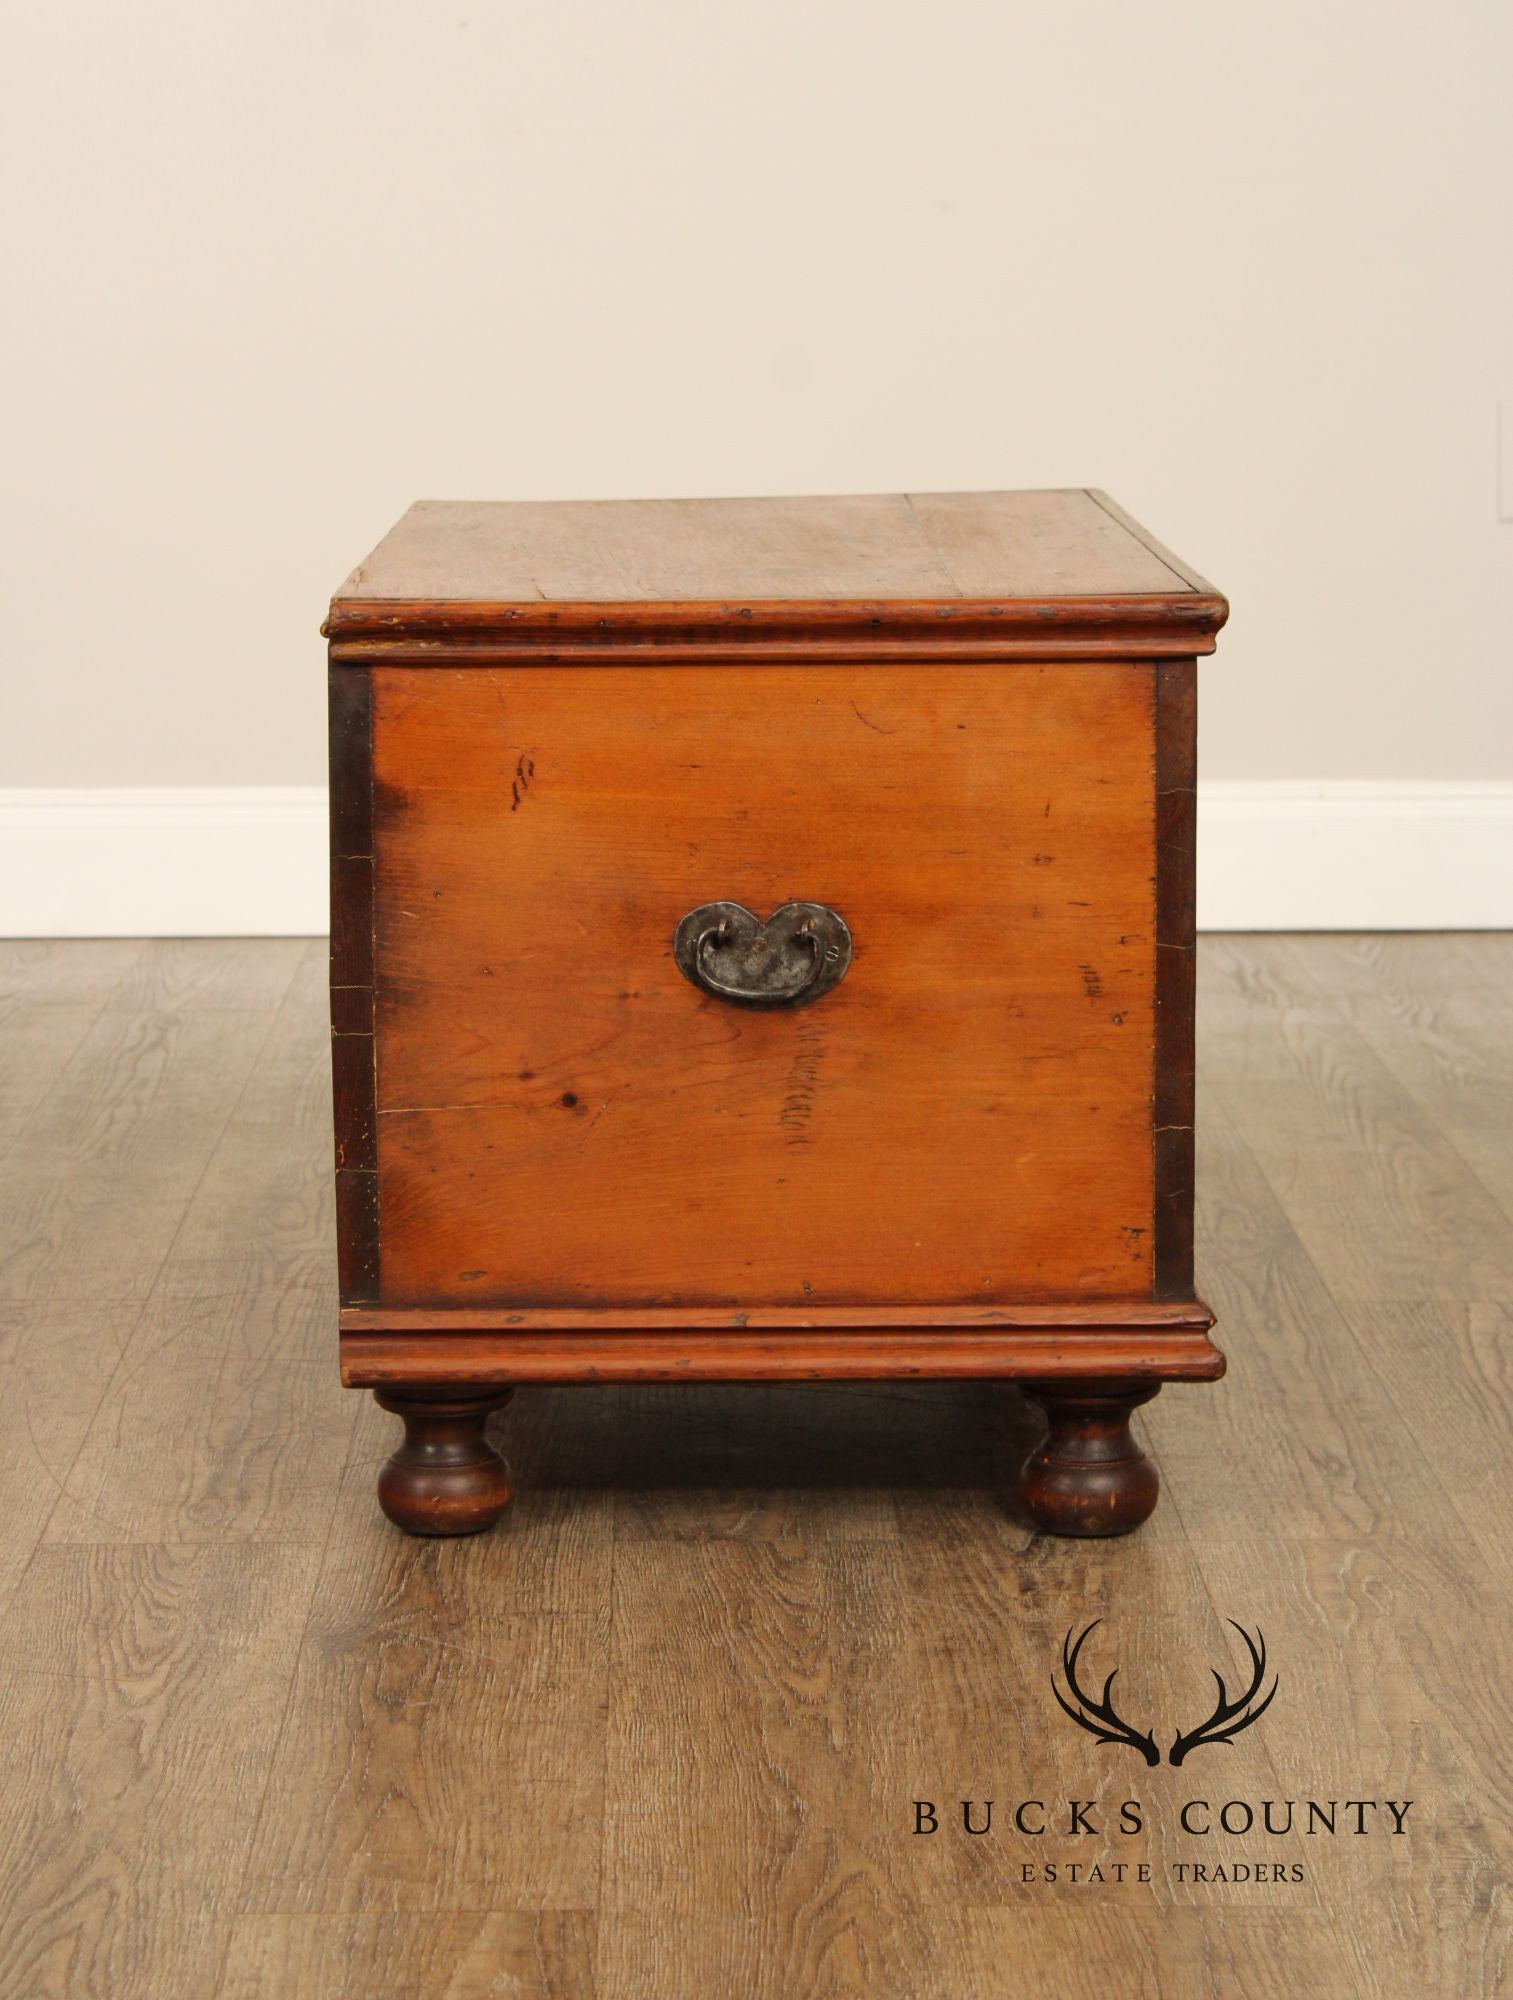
{"x":563,"y":1120}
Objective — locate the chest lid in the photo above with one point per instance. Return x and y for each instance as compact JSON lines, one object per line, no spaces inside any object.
{"x":1056,"y":573}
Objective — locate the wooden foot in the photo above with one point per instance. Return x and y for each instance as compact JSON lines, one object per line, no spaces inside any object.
{"x":1087,"y":1476}
{"x":446,"y":1478}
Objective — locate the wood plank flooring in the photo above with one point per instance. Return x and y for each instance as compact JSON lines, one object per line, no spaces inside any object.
{"x":660,"y":1736}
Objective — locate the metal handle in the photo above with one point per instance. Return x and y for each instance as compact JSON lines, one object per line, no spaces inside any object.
{"x":801,"y":951}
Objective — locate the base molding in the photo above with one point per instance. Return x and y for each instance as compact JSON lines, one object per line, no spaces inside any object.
{"x":790,"y":1354}
{"x":1043,"y":1316}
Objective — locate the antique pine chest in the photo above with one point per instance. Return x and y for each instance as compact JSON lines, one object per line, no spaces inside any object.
{"x":762,"y":948}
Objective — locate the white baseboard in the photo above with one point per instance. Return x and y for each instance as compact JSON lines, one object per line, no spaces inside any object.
{"x":250,"y":861}
{"x":180,"y":861}
{"x":1356,"y":856}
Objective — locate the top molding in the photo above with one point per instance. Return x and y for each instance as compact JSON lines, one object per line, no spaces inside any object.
{"x":863,"y":577}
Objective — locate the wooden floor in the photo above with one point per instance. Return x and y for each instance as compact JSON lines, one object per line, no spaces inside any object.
{"x":660,"y":1735}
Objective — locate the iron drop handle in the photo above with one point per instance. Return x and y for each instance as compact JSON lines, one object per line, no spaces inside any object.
{"x":801,"y":951}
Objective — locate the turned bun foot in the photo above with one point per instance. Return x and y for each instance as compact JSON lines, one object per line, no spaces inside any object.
{"x":1088,"y":1476}
{"x":446,"y":1478}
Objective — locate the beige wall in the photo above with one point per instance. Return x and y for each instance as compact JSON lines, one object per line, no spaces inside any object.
{"x":274,"y":268}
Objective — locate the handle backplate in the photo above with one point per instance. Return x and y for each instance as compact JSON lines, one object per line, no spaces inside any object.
{"x":801,"y":951}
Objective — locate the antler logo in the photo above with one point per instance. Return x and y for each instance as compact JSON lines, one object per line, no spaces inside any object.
{"x":1230,"y":1717}
{"x":1100,"y":1718}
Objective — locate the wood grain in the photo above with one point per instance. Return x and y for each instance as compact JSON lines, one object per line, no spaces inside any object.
{"x":375,"y":1360}
{"x":1138,"y":1316}
{"x":421,"y":1679}
{"x":1429,"y":1912}
{"x":244,"y":1303}
{"x":1304,"y":1434}
{"x":747,"y":1643}
{"x":56,"y":1361}
{"x":564,"y":1120}
{"x":431,"y":633}
{"x":526,"y":1955}
{"x":1173,"y":1955}
{"x":856,"y":546}
{"x":50,"y":998}
{"x":927,"y":577}
{"x":1148,"y":541}
{"x":660,"y":1732}
{"x":1382,"y":1201}
{"x":1437,"y":1012}
{"x":138,"y":1107}
{"x":1421,"y":1042}
{"x":142,"y":1690}
{"x":813,"y":1661}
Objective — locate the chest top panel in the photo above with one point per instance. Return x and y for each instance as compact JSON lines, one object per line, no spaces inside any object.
{"x":885,"y":567}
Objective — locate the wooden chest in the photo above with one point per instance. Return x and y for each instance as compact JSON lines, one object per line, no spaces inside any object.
{"x":762,"y":947}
